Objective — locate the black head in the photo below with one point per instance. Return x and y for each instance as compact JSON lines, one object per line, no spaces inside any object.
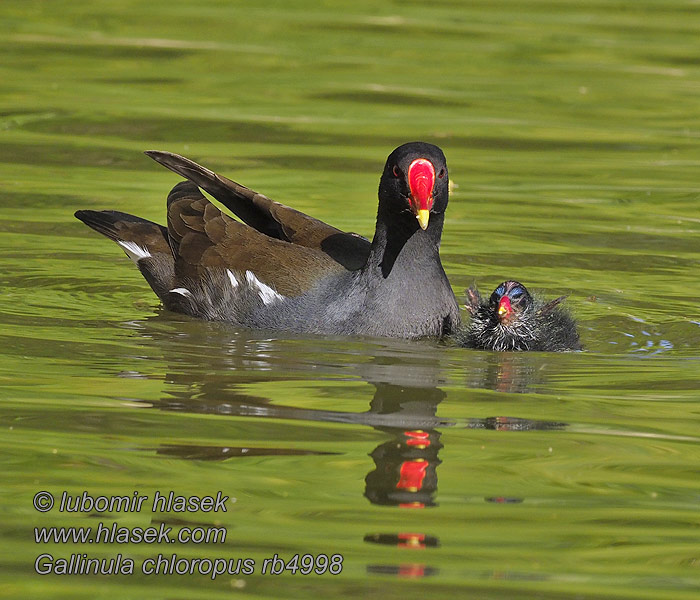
{"x":510,"y":301}
{"x":415,"y":182}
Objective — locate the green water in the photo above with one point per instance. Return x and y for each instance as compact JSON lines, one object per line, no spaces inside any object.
{"x":572,"y":132}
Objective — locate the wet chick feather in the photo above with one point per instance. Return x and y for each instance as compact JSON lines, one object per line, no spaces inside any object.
{"x":512,"y":319}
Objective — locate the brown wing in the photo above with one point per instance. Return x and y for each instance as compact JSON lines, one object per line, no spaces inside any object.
{"x":203,"y":237}
{"x":473,"y":298}
{"x":269,"y":217}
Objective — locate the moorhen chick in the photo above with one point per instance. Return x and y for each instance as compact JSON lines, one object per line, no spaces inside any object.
{"x":512,"y":319}
{"x":280,"y":269}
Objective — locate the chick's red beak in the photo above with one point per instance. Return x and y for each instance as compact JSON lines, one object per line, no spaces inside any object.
{"x":504,"y":308}
{"x":421,"y":180}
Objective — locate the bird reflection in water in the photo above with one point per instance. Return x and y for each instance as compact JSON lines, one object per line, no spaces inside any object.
{"x":404,"y":407}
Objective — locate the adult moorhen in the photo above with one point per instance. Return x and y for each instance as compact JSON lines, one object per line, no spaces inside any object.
{"x":283,"y":270}
{"x":512,"y":319}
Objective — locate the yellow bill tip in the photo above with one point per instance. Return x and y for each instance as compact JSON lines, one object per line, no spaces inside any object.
{"x":423,"y":216}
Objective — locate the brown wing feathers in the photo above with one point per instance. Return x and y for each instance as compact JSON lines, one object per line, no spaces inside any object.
{"x":252,"y":208}
{"x":204,"y":237}
{"x":269,"y":217}
{"x":282,"y":247}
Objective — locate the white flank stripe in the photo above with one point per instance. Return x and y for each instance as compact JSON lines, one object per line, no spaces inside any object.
{"x":232,"y":277}
{"x":182,"y":291}
{"x":134,"y":251}
{"x":266,"y":293}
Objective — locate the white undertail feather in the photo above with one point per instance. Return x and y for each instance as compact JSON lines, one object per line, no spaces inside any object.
{"x":232,"y":277}
{"x":266,"y":293}
{"x":134,"y":251}
{"x":182,"y":291}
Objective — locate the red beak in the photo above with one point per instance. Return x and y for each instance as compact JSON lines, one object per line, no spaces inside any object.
{"x":504,"y":308}
{"x":421,"y":180}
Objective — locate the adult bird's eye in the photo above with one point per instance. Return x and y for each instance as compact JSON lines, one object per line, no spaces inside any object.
{"x":441,"y":174}
{"x":397,"y":171}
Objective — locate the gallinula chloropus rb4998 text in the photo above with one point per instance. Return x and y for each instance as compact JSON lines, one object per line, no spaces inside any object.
{"x":512,"y":319}
{"x":281,"y":269}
